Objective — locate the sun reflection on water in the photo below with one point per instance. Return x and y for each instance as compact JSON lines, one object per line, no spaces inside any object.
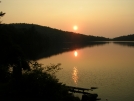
{"x":75,"y":75}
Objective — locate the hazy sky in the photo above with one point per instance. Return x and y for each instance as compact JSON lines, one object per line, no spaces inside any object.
{"x":108,"y":18}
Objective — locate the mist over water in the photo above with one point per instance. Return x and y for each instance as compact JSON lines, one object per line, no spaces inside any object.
{"x":109,"y":67}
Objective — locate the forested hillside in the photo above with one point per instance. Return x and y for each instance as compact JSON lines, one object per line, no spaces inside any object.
{"x":59,"y":35}
{"x":124,"y":38}
{"x":34,"y":39}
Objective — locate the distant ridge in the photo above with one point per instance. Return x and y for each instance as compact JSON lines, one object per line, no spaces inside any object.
{"x":124,"y":38}
{"x":34,"y":39}
{"x":45,"y":30}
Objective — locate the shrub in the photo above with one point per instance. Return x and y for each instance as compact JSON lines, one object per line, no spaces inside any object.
{"x":38,"y":84}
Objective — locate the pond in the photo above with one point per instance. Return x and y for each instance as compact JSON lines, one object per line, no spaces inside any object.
{"x":110,"y":67}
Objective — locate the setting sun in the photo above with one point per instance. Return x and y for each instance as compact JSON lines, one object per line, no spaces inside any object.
{"x":75,"y":27}
{"x":75,"y":53}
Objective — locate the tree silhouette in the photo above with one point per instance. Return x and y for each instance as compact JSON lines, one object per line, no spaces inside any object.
{"x":11,"y":54}
{"x":1,"y":14}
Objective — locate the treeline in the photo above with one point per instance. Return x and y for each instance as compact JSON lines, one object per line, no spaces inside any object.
{"x":56,"y":35}
{"x":34,"y":39}
{"x":124,"y":38}
{"x":26,"y":40}
{"x":41,"y":41}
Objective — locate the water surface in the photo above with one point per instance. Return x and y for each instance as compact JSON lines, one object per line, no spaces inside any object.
{"x":109,"y":67}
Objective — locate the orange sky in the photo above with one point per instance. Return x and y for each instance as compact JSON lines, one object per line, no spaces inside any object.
{"x":108,"y":18}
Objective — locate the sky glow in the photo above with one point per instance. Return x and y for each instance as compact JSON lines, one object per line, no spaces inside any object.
{"x":108,"y":18}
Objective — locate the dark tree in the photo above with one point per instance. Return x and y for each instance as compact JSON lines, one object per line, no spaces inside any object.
{"x":1,"y":14}
{"x":11,"y":54}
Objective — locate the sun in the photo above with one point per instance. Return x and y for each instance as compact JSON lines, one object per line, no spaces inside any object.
{"x":75,"y":53}
{"x":75,"y":27}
